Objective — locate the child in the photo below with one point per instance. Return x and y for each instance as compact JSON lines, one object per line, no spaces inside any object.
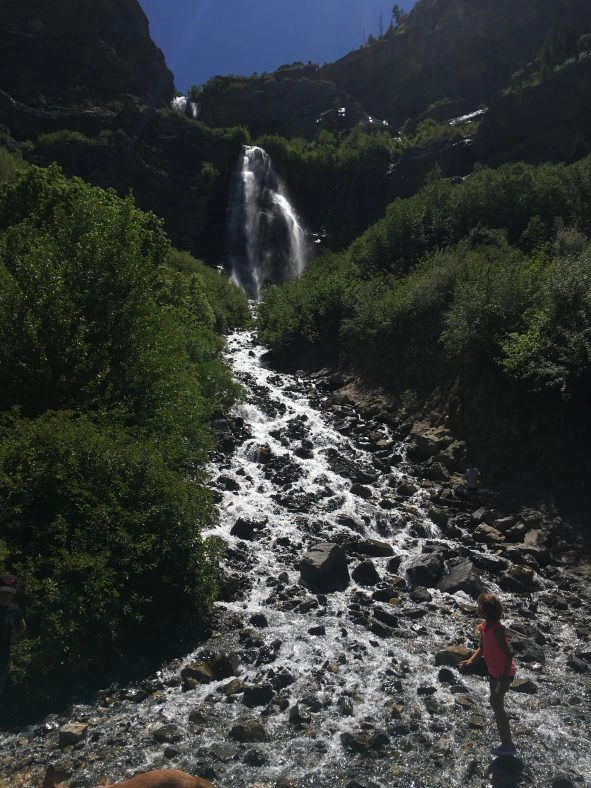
{"x":499,"y":662}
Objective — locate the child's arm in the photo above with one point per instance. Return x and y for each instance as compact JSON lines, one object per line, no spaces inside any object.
{"x":471,"y":660}
{"x":501,"y":639}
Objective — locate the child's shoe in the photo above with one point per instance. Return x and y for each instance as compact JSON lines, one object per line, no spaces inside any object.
{"x":505,"y":749}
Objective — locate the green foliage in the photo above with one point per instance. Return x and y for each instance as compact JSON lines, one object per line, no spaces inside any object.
{"x":106,"y":541}
{"x":11,"y":165}
{"x":67,"y":136}
{"x":488,"y":278}
{"x":112,"y":373}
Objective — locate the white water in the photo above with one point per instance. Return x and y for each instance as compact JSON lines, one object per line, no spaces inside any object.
{"x":266,"y":242}
{"x":183,"y":106}
{"x":348,"y":664}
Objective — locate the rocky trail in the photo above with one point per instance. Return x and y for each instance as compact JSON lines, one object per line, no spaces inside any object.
{"x":353,"y":561}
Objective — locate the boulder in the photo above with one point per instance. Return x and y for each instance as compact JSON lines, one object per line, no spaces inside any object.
{"x":248,"y":528}
{"x":324,"y":568}
{"x":366,"y":574}
{"x":197,"y":671}
{"x":487,"y":534}
{"x":426,"y":441}
{"x":167,"y":734}
{"x":247,"y":730}
{"x":72,"y":733}
{"x":462,"y":577}
{"x":527,"y":686}
{"x":372,"y":548}
{"x":452,"y":655}
{"x":426,"y":570}
{"x":361,"y":491}
{"x":259,"y":695}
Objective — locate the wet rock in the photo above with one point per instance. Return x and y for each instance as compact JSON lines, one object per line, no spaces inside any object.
{"x":437,"y":472}
{"x":345,"y":706}
{"x":452,"y":655}
{"x":487,"y":534}
{"x":365,"y":573}
{"x":446,"y":676}
{"x":72,"y":733}
{"x":421,"y":594}
{"x":319,"y":630}
{"x":358,"y":743}
{"x":528,"y":650}
{"x":263,"y":453}
{"x":258,"y":695}
{"x":361,"y":491}
{"x":248,"y":730}
{"x":281,"y":680}
{"x":462,"y":576}
{"x":406,"y":488}
{"x":566,"y":780}
{"x":167,"y":734}
{"x":234,"y":687}
{"x":297,"y":716}
{"x":224,"y":664}
{"x":372,"y":548}
{"x":426,"y":690}
{"x":199,"y":716}
{"x":519,"y":579}
{"x":259,"y":620}
{"x":426,"y":570}
{"x":324,"y":568}
{"x":526,"y":686}
{"x":477,"y":722}
{"x":578,"y":665}
{"x":223,"y":752}
{"x":385,"y":616}
{"x":249,"y":529}
{"x":255,"y":758}
{"x":393,"y":565}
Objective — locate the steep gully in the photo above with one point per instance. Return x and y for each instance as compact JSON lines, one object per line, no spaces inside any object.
{"x":355,"y":686}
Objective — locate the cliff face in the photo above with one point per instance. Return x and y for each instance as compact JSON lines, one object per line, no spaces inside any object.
{"x":462,"y":50}
{"x":66,"y":52}
{"x":286,"y":106}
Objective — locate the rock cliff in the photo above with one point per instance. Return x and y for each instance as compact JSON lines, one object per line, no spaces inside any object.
{"x":81,"y":52}
{"x":454,"y":49}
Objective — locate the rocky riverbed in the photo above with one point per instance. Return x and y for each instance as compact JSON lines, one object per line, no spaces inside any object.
{"x":353,"y":560}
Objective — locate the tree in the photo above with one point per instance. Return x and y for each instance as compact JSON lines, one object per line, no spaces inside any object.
{"x":398,"y":15}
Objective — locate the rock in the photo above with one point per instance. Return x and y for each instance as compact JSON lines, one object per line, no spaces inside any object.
{"x":361,"y":491}
{"x":224,"y":664}
{"x":446,"y":676}
{"x":259,"y":695}
{"x":426,"y":690}
{"x":72,"y":733}
{"x":318,"y":631}
{"x":437,"y":472}
{"x":421,"y":594}
{"x":234,"y":687}
{"x":487,"y":534}
{"x":167,"y":734}
{"x":519,"y":579}
{"x":198,"y":716}
{"x":385,"y":616}
{"x":259,"y":620}
{"x":528,"y":650}
{"x":477,"y":722}
{"x":452,"y":655}
{"x":462,"y":577}
{"x":356,"y":742}
{"x":406,"y":488}
{"x":248,"y":730}
{"x":324,"y":568}
{"x":249,"y":529}
{"x":372,"y":548}
{"x":297,"y":717}
{"x":263,"y":454}
{"x":255,"y":758}
{"x":365,"y":574}
{"x":426,"y":441}
{"x":578,"y":665}
{"x":526,"y":686}
{"x":426,"y":570}
{"x":110,"y":57}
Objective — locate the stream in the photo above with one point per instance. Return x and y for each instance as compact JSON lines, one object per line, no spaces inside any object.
{"x":342,"y":688}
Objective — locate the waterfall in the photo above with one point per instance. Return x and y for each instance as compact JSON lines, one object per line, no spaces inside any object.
{"x":266,"y":243}
{"x":183,"y":106}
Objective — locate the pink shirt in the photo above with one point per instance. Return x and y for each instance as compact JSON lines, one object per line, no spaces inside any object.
{"x":493,"y":654}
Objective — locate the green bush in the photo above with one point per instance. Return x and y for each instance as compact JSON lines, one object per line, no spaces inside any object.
{"x":105,"y":538}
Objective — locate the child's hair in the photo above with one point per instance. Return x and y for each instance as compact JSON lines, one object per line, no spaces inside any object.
{"x":491,"y":606}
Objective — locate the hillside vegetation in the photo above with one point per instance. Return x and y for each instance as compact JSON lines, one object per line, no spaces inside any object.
{"x":110,"y":352}
{"x":487,"y":282}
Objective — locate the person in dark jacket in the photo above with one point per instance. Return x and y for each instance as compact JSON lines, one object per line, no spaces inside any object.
{"x":12,"y":624}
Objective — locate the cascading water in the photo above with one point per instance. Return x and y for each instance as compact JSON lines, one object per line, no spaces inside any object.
{"x":266,"y":243}
{"x":339,"y":689}
{"x":184,"y":106}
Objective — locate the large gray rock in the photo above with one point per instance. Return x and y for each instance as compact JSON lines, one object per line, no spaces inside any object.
{"x":426,"y":570}
{"x":72,"y":733}
{"x":324,"y":568}
{"x":462,"y":577}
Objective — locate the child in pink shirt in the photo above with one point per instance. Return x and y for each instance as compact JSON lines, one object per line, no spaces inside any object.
{"x":494,"y":647}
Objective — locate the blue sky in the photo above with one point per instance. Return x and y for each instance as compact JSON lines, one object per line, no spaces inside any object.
{"x":201,"y":38}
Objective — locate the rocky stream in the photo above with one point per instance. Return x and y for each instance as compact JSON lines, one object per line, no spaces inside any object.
{"x":353,"y":560}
